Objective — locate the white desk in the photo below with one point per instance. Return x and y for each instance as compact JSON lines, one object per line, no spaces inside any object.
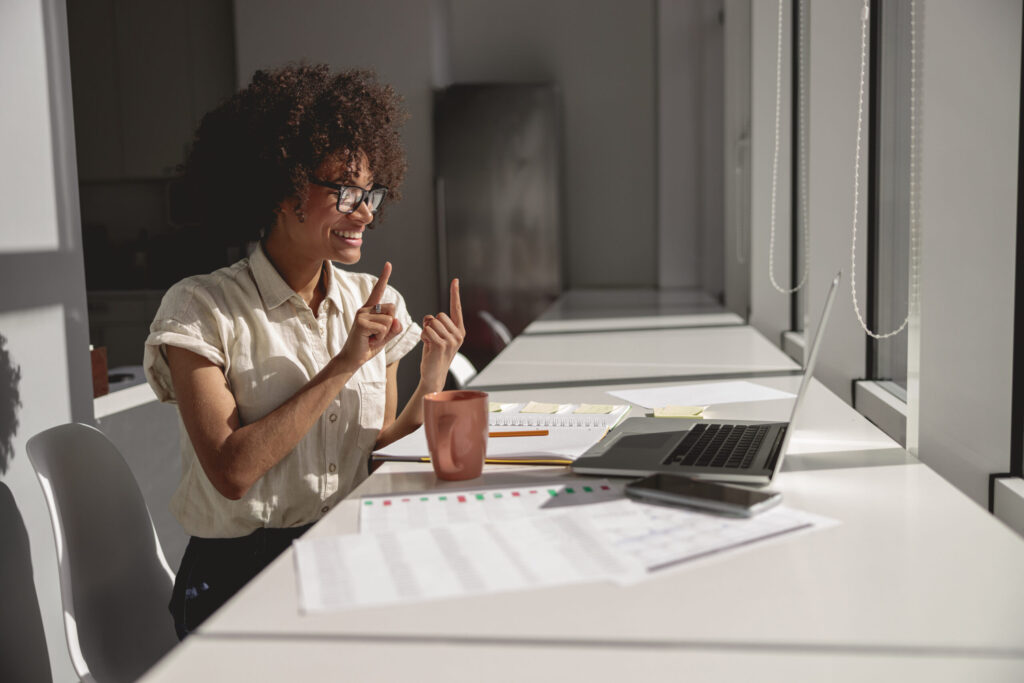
{"x":914,"y":564}
{"x":633,"y":356}
{"x":366,"y":659}
{"x":915,"y":583}
{"x":632,"y":309}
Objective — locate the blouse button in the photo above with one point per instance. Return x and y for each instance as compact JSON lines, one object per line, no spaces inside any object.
{"x":332,"y":467}
{"x":324,"y":509}
{"x":333,"y":417}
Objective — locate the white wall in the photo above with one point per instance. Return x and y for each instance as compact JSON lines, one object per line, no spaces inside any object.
{"x":970,"y":122}
{"x":834,"y":76}
{"x":602,"y":54}
{"x":769,"y":309}
{"x":42,"y":317}
{"x":690,"y":92}
{"x":736,"y":145}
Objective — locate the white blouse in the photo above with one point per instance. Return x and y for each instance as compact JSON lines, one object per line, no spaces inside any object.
{"x":247,"y":320}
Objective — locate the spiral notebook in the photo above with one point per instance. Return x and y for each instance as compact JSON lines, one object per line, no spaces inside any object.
{"x":571,"y":428}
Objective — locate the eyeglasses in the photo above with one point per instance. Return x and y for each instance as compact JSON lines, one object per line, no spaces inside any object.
{"x":350,"y":196}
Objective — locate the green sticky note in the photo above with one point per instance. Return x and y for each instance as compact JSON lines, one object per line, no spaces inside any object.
{"x":443,"y":498}
{"x":593,"y":409}
{"x":535,"y":407}
{"x":679,"y":411}
{"x":369,"y":502}
{"x":479,"y":496}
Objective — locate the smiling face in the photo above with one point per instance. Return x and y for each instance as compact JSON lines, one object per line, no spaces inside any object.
{"x":325,"y":233}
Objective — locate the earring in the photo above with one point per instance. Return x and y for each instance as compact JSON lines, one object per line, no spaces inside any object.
{"x":300,"y":215}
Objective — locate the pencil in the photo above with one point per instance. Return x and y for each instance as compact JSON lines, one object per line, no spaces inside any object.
{"x":534,"y":432}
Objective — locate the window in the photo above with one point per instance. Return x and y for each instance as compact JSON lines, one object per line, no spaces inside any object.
{"x":891,"y":192}
{"x":800,"y":183}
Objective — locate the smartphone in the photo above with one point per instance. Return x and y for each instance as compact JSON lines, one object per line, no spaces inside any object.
{"x":676,"y":489}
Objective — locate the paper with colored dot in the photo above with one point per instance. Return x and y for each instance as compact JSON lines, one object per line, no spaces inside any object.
{"x":434,"y":508}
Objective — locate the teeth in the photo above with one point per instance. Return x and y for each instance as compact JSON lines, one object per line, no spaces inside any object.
{"x":349,"y":235}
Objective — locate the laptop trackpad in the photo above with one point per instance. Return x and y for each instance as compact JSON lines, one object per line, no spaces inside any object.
{"x":656,"y":441}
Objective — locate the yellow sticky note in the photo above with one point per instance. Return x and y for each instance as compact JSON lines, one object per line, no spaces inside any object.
{"x":534,"y":407}
{"x":679,"y":411}
{"x":593,"y":409}
{"x":494,"y":407}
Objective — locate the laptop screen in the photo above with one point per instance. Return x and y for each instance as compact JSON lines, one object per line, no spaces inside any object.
{"x":810,"y":359}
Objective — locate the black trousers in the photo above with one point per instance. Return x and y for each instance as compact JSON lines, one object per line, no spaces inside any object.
{"x":214,"y":569}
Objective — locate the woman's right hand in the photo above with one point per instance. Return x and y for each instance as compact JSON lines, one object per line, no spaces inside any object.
{"x":371,"y":330}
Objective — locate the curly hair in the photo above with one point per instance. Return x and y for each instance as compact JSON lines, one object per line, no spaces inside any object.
{"x":262,"y":145}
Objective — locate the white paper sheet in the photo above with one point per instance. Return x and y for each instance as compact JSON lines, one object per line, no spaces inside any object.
{"x":362,"y":570}
{"x":658,"y":536}
{"x":738,"y":391}
{"x":437,"y":508}
{"x":561,"y":443}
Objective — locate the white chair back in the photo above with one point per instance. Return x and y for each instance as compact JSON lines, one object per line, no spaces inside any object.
{"x":115,"y":582}
{"x":462,"y":370}
{"x":499,"y":328}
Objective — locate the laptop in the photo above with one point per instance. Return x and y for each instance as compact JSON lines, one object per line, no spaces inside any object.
{"x":733,"y":451}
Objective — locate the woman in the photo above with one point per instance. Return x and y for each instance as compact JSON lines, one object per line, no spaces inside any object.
{"x":284,"y":365}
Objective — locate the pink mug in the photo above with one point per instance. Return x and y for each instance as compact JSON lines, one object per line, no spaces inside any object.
{"x":456,"y":426}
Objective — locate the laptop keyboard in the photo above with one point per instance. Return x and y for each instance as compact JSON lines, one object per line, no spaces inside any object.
{"x":730,"y":446}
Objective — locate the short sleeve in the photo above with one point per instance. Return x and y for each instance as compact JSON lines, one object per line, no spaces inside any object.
{"x":186,"y":319}
{"x":410,"y":334}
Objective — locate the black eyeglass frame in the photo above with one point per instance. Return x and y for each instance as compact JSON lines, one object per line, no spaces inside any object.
{"x":363,"y":196}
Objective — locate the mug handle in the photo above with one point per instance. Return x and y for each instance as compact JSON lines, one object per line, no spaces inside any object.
{"x":446,"y":425}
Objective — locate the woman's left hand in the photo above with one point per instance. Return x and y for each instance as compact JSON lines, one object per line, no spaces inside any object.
{"x":442,"y":336}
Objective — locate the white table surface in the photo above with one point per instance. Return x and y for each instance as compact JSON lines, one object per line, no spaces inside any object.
{"x":916,"y":582}
{"x":913,"y":564}
{"x":633,"y":355}
{"x":618,"y":309}
{"x":366,"y":659}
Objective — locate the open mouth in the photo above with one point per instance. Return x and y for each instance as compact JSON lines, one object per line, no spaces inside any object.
{"x":349,"y":236}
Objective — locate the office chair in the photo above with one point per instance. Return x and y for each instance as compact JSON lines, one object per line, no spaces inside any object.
{"x":461,"y":370}
{"x":498,"y":328}
{"x":114,"y":579}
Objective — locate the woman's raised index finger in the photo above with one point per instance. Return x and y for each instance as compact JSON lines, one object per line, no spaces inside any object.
{"x":382,"y":283}
{"x":455,"y":307}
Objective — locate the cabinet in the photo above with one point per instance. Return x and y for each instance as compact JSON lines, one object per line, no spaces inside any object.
{"x":143,"y":73}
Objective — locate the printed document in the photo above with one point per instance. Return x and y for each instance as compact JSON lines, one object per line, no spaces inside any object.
{"x":361,"y":570}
